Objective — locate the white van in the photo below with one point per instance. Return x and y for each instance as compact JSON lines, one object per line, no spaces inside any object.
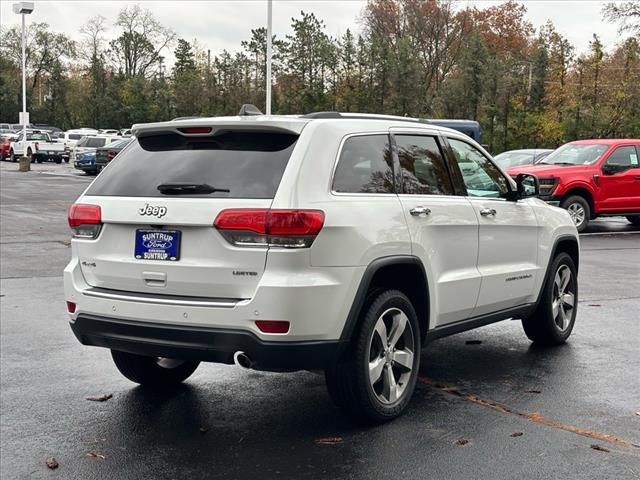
{"x":71,"y":137}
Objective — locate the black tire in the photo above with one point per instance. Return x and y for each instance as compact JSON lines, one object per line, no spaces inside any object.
{"x":153,"y":371}
{"x":349,"y":382}
{"x":58,"y":161}
{"x":573,"y":204}
{"x":634,"y":220}
{"x":12,"y":156}
{"x":543,"y":327}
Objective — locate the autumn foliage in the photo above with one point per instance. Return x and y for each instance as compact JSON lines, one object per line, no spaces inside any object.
{"x":526,"y":84}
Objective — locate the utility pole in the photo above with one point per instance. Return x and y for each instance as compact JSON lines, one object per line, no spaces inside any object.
{"x":269,"y":17}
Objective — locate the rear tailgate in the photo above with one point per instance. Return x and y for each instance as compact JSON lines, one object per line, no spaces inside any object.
{"x":165,"y":243}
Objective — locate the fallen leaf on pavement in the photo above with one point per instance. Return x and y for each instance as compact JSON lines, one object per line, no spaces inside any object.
{"x":462,"y":441}
{"x":101,"y":398}
{"x":638,"y":413}
{"x":329,"y":441}
{"x":599,"y":448}
{"x":516,"y":434}
{"x":595,"y":305}
{"x":473,"y":342}
{"x":52,"y":463}
{"x":96,"y":455}
{"x":204,"y":429}
{"x":532,"y":391}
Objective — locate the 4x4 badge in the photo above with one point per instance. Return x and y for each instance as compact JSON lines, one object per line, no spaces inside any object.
{"x":153,"y":211}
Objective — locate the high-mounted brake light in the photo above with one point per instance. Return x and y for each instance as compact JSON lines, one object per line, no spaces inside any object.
{"x":276,"y":228}
{"x":195,"y":130}
{"x":85,"y":220}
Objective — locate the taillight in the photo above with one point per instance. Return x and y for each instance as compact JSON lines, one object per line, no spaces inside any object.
{"x":111,"y":154}
{"x":66,"y":147}
{"x":37,"y":145}
{"x":274,"y":228}
{"x":85,"y":220}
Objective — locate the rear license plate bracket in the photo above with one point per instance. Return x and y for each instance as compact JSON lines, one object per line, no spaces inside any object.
{"x":157,"y":245}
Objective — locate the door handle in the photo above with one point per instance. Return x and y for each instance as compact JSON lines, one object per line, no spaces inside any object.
{"x":417,"y":211}
{"x":485,"y":212}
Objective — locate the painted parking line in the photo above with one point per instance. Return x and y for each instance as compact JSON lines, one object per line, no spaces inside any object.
{"x":535,"y":417}
{"x":610,"y":233}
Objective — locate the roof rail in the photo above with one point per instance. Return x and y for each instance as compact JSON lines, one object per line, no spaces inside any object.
{"x":362,"y":116}
{"x":249,"y":110}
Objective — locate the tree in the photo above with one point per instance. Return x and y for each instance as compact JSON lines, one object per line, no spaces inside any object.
{"x":185,"y":60}
{"x":137,"y":51}
{"x":627,"y":14}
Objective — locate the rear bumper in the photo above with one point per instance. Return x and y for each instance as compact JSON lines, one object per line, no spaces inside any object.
{"x":203,"y":343}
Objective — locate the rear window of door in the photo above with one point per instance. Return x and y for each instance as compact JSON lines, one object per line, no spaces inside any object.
{"x":422,"y":166}
{"x":248,"y":164}
{"x":365,"y":165}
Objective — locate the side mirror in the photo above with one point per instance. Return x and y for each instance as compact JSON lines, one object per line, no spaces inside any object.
{"x":528,"y":185}
{"x":612,"y":168}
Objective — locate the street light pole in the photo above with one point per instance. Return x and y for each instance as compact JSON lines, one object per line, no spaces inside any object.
{"x":269,"y":9}
{"x":24,"y":73}
{"x":24,"y":9}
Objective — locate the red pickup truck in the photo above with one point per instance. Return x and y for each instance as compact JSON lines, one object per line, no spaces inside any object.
{"x":591,"y":178}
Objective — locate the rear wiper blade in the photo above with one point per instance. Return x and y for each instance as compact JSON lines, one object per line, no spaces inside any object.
{"x":188,"y":188}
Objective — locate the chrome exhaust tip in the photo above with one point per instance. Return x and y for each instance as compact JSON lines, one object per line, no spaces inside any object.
{"x":242,"y":360}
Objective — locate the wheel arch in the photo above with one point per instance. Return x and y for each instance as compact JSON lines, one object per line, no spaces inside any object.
{"x":400,"y":272}
{"x":563,"y":244}
{"x":586,"y":194}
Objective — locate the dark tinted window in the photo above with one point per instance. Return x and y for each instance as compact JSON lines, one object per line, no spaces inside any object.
{"x":423,"y":169}
{"x":75,"y":136}
{"x":249,"y":164}
{"x":365,"y":166}
{"x":481,"y":177}
{"x":623,"y":156}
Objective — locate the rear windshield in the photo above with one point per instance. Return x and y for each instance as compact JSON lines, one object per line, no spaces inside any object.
{"x":92,"y":142}
{"x":75,"y":136}
{"x":248,"y":164}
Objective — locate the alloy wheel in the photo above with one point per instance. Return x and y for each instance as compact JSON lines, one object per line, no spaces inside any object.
{"x":563,"y":298}
{"x":391,"y":355}
{"x":577,"y":213}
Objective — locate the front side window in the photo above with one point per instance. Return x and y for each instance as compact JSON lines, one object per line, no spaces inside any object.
{"x":624,"y":157}
{"x":481,"y":177}
{"x":424,"y":171}
{"x":365,"y":166}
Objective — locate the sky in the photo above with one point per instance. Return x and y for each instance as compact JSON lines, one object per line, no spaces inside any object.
{"x":223,"y":24}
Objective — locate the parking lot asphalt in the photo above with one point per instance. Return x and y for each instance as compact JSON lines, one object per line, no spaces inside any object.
{"x":495,"y":408}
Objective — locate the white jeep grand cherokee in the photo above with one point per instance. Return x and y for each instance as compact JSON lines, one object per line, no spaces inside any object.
{"x":339,"y":242}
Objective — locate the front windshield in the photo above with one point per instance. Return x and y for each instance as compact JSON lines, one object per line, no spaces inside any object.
{"x":576,"y":154}
{"x":513,"y":159}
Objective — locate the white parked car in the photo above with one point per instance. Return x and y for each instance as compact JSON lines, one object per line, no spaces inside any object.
{"x":109,"y":131}
{"x":91,"y":143}
{"x":339,"y":242}
{"x":71,"y":137}
{"x":37,"y":145}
